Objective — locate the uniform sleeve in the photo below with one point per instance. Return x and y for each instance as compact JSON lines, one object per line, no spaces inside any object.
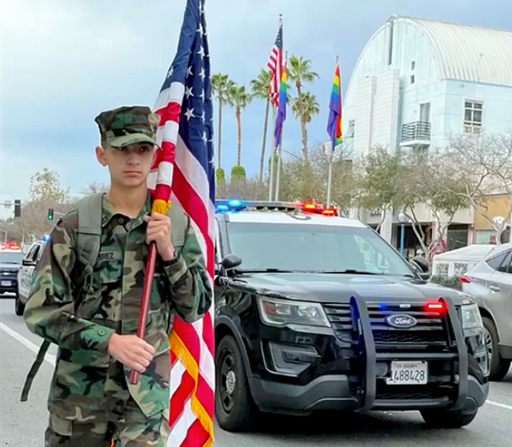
{"x":50,"y":311}
{"x":191,"y":291}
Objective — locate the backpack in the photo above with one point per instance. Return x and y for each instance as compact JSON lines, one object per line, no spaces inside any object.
{"x":89,"y":211}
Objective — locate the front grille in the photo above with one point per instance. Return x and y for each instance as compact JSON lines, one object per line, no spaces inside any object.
{"x":403,"y":392}
{"x":429,"y":332}
{"x":9,"y":274}
{"x":407,"y":336}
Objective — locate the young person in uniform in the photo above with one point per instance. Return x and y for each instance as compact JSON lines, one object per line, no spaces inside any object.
{"x":90,"y":308}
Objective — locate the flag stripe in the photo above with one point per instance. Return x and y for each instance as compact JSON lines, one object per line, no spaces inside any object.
{"x":183,"y":172}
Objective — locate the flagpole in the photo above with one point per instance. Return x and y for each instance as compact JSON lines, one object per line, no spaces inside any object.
{"x":329,"y":180}
{"x":331,"y":155}
{"x":278,"y":176}
{"x":274,"y":118}
{"x":271,"y":181}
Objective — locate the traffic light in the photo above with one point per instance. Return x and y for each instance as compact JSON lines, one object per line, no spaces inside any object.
{"x":50,"y":214}
{"x":17,"y":208}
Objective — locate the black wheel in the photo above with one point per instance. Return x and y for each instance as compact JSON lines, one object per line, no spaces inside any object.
{"x":498,"y":367}
{"x":235,"y":410}
{"x":19,"y":307}
{"x":447,"y":419}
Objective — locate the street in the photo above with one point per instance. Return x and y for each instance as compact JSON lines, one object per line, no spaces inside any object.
{"x":23,"y":424}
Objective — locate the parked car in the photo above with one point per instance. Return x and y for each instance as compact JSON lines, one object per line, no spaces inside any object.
{"x":25,"y":275}
{"x":490,"y":284}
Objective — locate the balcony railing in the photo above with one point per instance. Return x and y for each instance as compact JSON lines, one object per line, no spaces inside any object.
{"x":418,"y":131}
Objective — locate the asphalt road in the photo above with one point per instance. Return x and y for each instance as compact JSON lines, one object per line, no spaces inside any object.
{"x":23,"y":424}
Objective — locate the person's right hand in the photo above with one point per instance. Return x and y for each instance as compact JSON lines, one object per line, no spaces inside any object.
{"x":131,"y":351}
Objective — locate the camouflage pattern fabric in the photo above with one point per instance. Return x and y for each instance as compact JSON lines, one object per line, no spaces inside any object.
{"x":89,"y":386}
{"x":134,"y":429}
{"x":128,"y":125}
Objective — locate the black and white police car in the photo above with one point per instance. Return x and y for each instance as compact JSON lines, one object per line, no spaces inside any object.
{"x":319,"y":312}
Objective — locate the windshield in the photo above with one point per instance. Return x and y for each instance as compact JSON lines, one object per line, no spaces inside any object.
{"x":313,"y":248}
{"x":7,"y":257}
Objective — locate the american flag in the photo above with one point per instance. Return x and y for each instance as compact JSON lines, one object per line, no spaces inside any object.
{"x":185,"y":166}
{"x":275,"y":62}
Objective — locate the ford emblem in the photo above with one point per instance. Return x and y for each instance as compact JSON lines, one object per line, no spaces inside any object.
{"x":401,"y":321}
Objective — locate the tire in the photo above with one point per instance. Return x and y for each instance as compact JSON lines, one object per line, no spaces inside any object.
{"x":447,"y":419}
{"x":234,"y":408}
{"x":19,"y":307}
{"x":498,"y":367}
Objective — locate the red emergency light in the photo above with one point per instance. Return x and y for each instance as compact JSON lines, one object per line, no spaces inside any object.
{"x":436,"y":307}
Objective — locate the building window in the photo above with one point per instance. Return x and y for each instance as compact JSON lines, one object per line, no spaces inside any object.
{"x":413,"y":65}
{"x":413,"y":79}
{"x":351,"y":129}
{"x":473,"y":117}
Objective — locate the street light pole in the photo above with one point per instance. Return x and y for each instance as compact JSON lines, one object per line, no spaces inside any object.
{"x":403,"y":219}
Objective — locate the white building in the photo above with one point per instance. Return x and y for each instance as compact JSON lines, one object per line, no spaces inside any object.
{"x":418,"y":82}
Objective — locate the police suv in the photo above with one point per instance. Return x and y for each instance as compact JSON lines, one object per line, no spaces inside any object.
{"x":318,"y":312}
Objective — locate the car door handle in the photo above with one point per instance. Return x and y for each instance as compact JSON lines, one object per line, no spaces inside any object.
{"x":494,"y":288}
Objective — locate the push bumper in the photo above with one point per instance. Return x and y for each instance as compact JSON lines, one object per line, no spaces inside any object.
{"x":335,"y":392}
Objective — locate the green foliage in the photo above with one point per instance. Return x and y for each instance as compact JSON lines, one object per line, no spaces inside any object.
{"x":220,"y":176}
{"x":238,"y":97}
{"x":237,"y":173}
{"x":306,"y":105}
{"x":260,"y":85}
{"x":221,"y":84}
{"x":379,"y":180}
{"x":453,"y":282}
{"x":299,"y":70}
{"x":45,"y":186}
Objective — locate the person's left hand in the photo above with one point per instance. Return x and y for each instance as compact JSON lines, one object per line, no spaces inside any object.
{"x":159,"y":231}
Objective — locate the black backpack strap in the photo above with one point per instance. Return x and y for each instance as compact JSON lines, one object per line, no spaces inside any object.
{"x":33,"y":371}
{"x":88,"y":244}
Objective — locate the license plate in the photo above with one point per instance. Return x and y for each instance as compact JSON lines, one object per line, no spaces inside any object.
{"x":6,"y":283}
{"x":408,"y":373}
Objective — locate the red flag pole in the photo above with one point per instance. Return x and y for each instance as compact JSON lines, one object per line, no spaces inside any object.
{"x":144,"y":305}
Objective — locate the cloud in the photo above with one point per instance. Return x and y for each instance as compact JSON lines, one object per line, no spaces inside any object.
{"x":65,"y":61}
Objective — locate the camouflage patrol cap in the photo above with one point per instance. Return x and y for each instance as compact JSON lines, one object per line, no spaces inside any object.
{"x":128,"y":125}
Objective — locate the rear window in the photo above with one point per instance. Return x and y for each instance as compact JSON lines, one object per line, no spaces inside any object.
{"x":500,"y":262}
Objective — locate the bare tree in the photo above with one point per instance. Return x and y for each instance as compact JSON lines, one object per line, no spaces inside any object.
{"x":481,"y":166}
{"x":427,"y":179}
{"x":94,"y":188}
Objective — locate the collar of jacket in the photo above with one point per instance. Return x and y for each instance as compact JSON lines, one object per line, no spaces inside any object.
{"x":110,"y":212}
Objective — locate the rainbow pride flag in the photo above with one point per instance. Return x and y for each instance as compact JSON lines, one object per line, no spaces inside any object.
{"x":334,"y":126}
{"x":281,"y":110}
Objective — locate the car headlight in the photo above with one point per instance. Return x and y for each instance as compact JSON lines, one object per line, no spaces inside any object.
{"x":470,"y":316}
{"x":276,"y":312}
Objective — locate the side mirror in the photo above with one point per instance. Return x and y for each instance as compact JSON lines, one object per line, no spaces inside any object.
{"x":230,"y":262}
{"x":28,"y":263}
{"x":425,"y":276}
{"x":421,"y":264}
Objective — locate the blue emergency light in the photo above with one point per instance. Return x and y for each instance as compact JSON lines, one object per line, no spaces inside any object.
{"x":46,"y":237}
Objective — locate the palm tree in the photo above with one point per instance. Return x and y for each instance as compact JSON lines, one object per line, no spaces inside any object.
{"x":239,"y":98}
{"x":304,"y":107}
{"x":260,"y":89}
{"x":299,"y":71}
{"x":220,"y":86}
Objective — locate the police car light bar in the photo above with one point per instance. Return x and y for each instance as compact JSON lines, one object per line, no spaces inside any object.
{"x":231,"y":205}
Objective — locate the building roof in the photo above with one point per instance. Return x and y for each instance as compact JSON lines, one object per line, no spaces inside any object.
{"x":465,"y":52}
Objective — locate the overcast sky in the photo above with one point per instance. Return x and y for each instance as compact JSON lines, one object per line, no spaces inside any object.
{"x":64,"y":61}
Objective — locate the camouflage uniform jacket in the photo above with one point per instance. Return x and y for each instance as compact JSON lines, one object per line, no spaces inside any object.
{"x":88,"y":384}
